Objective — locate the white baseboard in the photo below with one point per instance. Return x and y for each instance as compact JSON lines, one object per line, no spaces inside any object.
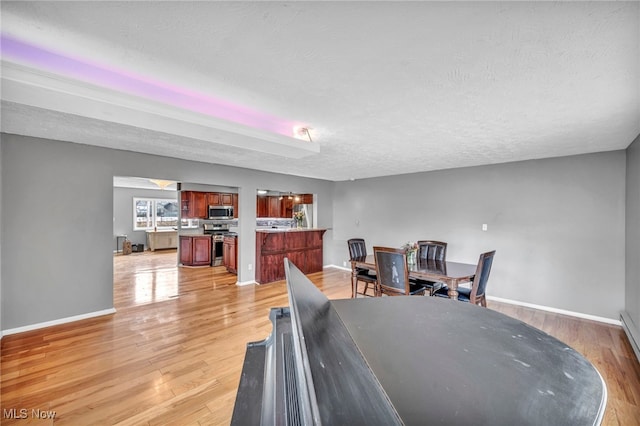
{"x":58,"y":321}
{"x":531,"y":305}
{"x":338,"y":267}
{"x":631,"y":331}
{"x":557,"y":311}
{"x":241,"y":283}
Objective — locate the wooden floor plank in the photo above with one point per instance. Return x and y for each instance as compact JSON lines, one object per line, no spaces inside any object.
{"x":173,"y":351}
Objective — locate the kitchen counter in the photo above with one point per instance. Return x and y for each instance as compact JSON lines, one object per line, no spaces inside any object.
{"x":302,"y":246}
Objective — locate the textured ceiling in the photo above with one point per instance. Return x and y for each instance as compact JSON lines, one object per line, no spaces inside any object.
{"x":387,"y":87}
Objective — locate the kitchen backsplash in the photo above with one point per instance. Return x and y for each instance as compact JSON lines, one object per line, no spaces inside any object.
{"x":275,"y":222}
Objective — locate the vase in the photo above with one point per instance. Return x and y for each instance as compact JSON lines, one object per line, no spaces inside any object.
{"x":298,"y":224}
{"x":411,"y":257}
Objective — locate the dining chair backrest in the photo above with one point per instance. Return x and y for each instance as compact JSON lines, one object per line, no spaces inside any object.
{"x":357,"y":248}
{"x":432,"y":250}
{"x":479,"y":285}
{"x":392,"y":270}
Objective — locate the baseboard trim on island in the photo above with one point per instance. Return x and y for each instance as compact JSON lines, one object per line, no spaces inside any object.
{"x":242,"y":283}
{"x":58,"y":322}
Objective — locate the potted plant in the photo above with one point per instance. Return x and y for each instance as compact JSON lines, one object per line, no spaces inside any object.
{"x":412,"y":252}
{"x":298,"y":217}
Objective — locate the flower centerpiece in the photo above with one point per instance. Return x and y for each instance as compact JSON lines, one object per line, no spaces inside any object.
{"x":298,"y":217}
{"x":412,"y":251}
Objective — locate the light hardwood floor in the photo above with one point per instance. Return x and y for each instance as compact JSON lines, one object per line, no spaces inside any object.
{"x":173,"y":352}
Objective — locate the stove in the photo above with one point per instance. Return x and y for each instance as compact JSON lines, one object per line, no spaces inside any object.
{"x":215,"y":228}
{"x":217,"y":232}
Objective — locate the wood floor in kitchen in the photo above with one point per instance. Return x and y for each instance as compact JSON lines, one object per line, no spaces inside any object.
{"x":173,"y":351}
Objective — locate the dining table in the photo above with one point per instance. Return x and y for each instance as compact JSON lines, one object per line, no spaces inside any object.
{"x":450,"y":273}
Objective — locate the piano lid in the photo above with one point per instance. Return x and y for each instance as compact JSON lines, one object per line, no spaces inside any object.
{"x":413,"y":360}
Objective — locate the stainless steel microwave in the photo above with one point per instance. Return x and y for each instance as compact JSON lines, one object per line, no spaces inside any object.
{"x":220,"y":212}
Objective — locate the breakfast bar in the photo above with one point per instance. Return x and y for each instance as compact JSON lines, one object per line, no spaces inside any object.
{"x":301,"y":246}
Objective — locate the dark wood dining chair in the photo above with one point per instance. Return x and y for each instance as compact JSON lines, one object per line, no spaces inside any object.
{"x":393,"y":272}
{"x":433,"y":250}
{"x":430,"y":250}
{"x":358,"y":248}
{"x":475,"y":294}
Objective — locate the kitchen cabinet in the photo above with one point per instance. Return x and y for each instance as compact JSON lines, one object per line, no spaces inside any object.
{"x":303,"y":247}
{"x":157,"y":240}
{"x":262,"y":209}
{"x":219,"y":199}
{"x":195,"y":250}
{"x":286,"y":207}
{"x":303,"y":199}
{"x":200,"y":209}
{"x":275,"y":206}
{"x":230,"y":254}
{"x":195,"y":204}
{"x":234,"y":203}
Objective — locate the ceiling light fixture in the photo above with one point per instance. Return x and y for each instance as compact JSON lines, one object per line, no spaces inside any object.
{"x":302,"y":133}
{"x":163,"y":184}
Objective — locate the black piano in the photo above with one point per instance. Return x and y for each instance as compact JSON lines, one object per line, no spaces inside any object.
{"x":410,"y":360}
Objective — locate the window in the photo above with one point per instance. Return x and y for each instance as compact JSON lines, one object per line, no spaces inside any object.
{"x":149,"y":213}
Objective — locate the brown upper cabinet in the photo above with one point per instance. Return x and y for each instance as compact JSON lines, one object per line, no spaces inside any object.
{"x":195,"y":204}
{"x":280,"y":206}
{"x":220,"y":199}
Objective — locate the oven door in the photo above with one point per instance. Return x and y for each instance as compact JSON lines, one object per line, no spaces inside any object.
{"x":217,"y":242}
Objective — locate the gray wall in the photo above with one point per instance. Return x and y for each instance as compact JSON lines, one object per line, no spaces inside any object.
{"x":632,"y":286}
{"x":1,"y":139}
{"x":123,"y":212}
{"x":57,"y":209}
{"x":557,"y":225}
{"x":57,"y":218}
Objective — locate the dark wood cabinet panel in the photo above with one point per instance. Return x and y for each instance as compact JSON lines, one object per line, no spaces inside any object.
{"x":201,"y":251}
{"x":303,"y":199}
{"x":195,"y":250}
{"x":313,"y":261}
{"x":186,"y":257}
{"x":226,"y":199}
{"x":305,"y":252}
{"x":274,"y":207}
{"x":299,"y":258}
{"x":295,"y":240}
{"x":193,"y":204}
{"x":314,"y":239}
{"x":200,"y":205}
{"x":269,"y":268}
{"x":286,"y":207}
{"x":213,"y":199}
{"x":230,"y":254}
{"x":234,"y":203}
{"x":262,"y":208}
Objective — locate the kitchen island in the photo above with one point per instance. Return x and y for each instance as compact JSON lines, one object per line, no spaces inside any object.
{"x":302,"y":246}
